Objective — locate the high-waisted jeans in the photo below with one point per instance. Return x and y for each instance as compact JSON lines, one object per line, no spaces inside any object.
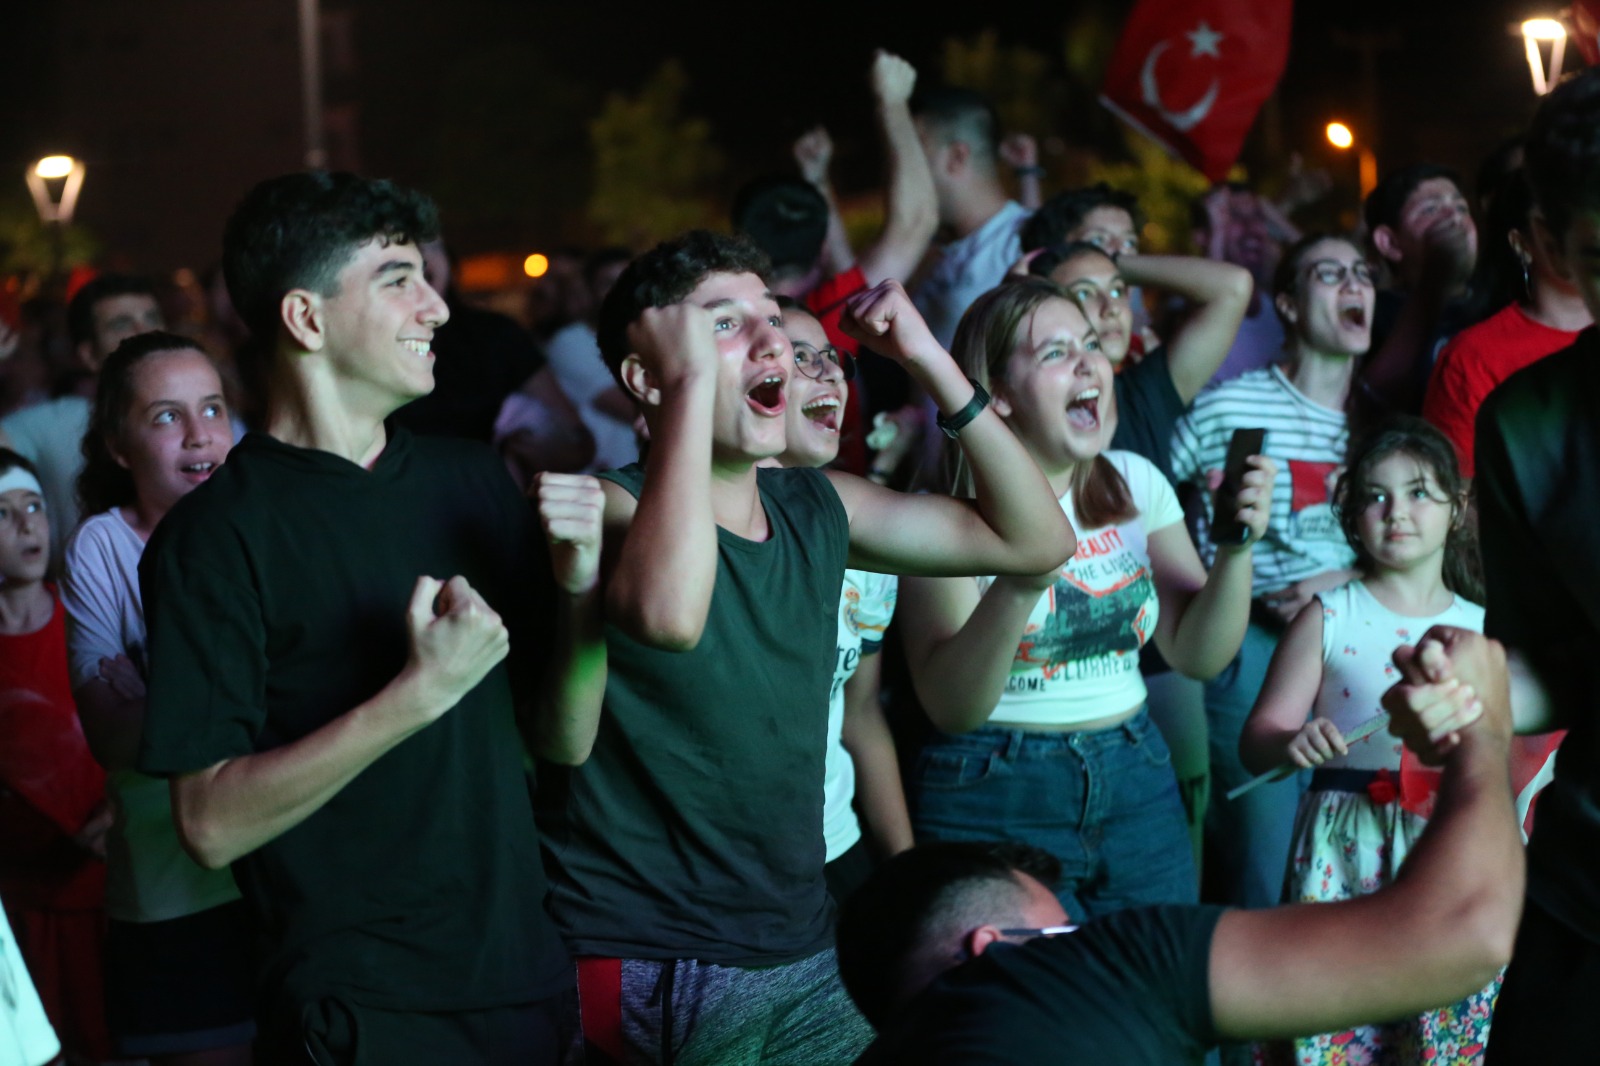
{"x":1104,"y":802}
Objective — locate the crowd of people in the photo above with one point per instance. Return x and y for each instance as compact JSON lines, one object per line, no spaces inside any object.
{"x":993,"y":644}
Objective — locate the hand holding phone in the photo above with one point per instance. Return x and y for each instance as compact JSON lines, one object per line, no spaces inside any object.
{"x":1226,"y":529}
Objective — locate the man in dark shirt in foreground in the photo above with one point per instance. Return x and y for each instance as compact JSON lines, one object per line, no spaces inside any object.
{"x":959,"y":953}
{"x":328,"y":683}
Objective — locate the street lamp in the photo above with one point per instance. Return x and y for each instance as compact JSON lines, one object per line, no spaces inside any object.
{"x":1343,"y":138}
{"x":55,"y":182}
{"x":1536,"y":32}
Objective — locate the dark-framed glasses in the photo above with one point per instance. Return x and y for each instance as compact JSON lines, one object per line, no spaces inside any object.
{"x":818,"y":363}
{"x":1333,"y":272}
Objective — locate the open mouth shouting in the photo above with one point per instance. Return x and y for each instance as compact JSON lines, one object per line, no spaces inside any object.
{"x":1083,"y":410}
{"x":1353,"y":313}
{"x":766,"y":395}
{"x":823,"y":411}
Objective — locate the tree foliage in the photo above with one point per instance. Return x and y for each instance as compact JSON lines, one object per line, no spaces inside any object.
{"x":655,"y":167}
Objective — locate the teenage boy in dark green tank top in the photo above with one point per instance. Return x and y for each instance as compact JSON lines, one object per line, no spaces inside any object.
{"x":685,"y":848}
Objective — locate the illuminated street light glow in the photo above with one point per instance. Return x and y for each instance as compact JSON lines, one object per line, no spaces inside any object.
{"x":1544,"y":30}
{"x":1339,"y":135}
{"x":55,"y":204}
{"x":536,"y":265}
{"x":54,"y":166}
{"x":1536,"y":32}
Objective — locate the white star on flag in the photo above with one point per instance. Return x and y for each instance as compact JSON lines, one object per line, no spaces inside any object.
{"x":1205,"y":41}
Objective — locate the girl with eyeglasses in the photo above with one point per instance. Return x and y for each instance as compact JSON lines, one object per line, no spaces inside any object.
{"x":1323,"y":293}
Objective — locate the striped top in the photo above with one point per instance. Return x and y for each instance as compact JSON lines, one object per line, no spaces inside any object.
{"x":1307,"y":440}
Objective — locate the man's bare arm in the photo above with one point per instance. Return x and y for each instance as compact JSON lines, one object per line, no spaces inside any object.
{"x":1439,"y":932}
{"x":911,"y":210}
{"x":659,"y":591}
{"x":233,"y":807}
{"x":572,"y":512}
{"x":1016,"y":526}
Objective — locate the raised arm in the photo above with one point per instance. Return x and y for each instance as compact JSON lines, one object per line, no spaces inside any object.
{"x":232,"y":807}
{"x":911,"y":211}
{"x":1015,"y":526}
{"x":1280,"y":726}
{"x":1220,"y":293}
{"x":572,"y":512}
{"x":1394,"y":373}
{"x":1021,"y":153}
{"x":1440,"y":931}
{"x":813,"y":154}
{"x":659,"y":591}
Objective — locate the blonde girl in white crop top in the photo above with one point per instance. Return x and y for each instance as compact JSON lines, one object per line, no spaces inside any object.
{"x":1013,"y":662}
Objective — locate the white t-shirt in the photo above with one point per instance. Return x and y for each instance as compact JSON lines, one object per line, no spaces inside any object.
{"x":1079,"y":657}
{"x":1359,"y":636}
{"x":574,"y":358}
{"x":968,"y":268}
{"x":149,"y":877}
{"x":26,"y":1038}
{"x":1307,"y":440}
{"x":865,"y":607}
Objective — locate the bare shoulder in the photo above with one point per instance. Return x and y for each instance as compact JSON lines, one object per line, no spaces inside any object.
{"x":620,"y":504}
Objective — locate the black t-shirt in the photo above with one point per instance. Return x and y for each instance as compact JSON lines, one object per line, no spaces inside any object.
{"x":695,"y":828}
{"x":1456,"y":315}
{"x":275,"y":596}
{"x":480,"y":358}
{"x":1538,"y":485}
{"x":1131,"y":988}
{"x":1148,"y":406}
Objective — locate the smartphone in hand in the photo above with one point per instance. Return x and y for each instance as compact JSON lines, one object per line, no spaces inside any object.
{"x":1226,"y":530}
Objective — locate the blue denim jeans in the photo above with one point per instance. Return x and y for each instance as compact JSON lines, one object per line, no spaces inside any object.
{"x":1104,"y":802}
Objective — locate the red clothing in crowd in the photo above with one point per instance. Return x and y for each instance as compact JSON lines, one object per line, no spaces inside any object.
{"x":1475,"y":361}
{"x":826,"y":301}
{"x":54,"y":890}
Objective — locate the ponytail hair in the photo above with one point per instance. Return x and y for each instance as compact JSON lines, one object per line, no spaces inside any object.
{"x":104,"y":482}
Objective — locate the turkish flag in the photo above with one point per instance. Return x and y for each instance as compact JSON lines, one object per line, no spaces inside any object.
{"x":1583,"y":18}
{"x":1533,"y":764}
{"x":1192,"y":73}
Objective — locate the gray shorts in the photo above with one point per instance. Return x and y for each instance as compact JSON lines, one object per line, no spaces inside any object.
{"x":690,"y":1013}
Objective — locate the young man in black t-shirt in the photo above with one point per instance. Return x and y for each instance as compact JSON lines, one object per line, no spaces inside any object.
{"x":686,"y":850}
{"x":1538,"y":480}
{"x":960,"y":953}
{"x":329,"y":619}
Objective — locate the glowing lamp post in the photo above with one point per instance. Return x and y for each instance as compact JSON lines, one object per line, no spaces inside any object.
{"x":1535,"y":34}
{"x":55,"y":182}
{"x":1343,"y":138}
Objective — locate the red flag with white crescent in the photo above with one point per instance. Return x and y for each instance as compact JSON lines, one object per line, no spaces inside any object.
{"x":1193,"y":73}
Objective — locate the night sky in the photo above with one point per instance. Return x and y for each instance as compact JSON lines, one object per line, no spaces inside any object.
{"x":486,"y":102}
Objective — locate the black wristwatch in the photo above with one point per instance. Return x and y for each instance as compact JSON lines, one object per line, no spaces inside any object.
{"x":959,"y":421}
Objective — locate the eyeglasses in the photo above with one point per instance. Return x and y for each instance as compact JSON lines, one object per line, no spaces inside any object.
{"x":815,"y":363}
{"x":1333,"y":272}
{"x":1049,"y":930}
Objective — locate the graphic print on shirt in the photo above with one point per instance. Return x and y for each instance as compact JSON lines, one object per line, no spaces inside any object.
{"x":1096,"y":619}
{"x":1311,"y":514}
